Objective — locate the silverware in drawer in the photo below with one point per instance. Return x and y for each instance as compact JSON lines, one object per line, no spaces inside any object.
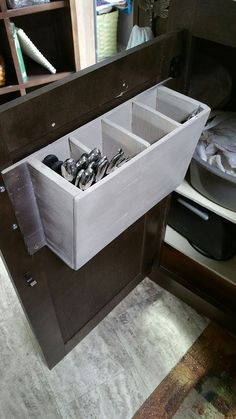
{"x":77,"y":224}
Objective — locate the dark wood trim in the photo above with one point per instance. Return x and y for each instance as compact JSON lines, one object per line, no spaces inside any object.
{"x":5,"y":160}
{"x":210,"y":19}
{"x":36,"y":301}
{"x":37,"y":80}
{"x":22,"y":91}
{"x":7,"y":24}
{"x":39,"y":8}
{"x":199,"y":279}
{"x":99,"y":88}
{"x":154,"y":235}
{"x":208,"y":293}
{"x":135,"y":12}
{"x":3,"y":5}
{"x":8,"y":89}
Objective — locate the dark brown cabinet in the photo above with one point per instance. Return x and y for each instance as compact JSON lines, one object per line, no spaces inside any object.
{"x":212,"y":28}
{"x":65,"y":304}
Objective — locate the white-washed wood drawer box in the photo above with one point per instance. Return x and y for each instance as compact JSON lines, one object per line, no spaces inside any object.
{"x":77,"y":224}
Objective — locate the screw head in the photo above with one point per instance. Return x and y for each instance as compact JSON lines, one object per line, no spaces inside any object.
{"x":14,"y":227}
{"x":2,"y":189}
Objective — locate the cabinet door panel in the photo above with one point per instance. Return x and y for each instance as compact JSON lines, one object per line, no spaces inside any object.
{"x":66,"y":303}
{"x":213,"y":20}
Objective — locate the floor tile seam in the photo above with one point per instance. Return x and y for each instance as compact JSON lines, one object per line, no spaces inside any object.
{"x":123,"y":370}
{"x":93,"y":387}
{"x":130,"y":307}
{"x":105,"y":381}
{"x":132,"y":359}
{"x":101,"y":384}
{"x":134,"y":362}
{"x":52,"y":391}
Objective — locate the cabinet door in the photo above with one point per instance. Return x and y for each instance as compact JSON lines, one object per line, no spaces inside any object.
{"x":213,"y":20}
{"x":64,"y":305}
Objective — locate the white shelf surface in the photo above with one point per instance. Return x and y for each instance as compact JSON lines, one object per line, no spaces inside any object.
{"x":188,"y":191}
{"x":226,"y":269}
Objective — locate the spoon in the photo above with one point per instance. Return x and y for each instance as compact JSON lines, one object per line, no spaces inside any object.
{"x":93,"y":165}
{"x":86,"y":179}
{"x":114,"y":161}
{"x":78,"y":177}
{"x":69,"y":169}
{"x":122,"y":161}
{"x":82,"y":163}
{"x":94,"y":155}
{"x":101,"y":168}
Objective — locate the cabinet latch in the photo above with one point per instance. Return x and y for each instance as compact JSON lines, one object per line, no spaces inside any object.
{"x":29,"y":279}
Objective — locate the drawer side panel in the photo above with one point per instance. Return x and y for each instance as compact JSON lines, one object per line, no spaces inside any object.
{"x":110,"y":207}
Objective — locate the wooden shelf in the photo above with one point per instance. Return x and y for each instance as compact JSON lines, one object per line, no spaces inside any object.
{"x":37,"y":80}
{"x":226,"y":269}
{"x":188,"y":191}
{"x":8,"y":89}
{"x":33,"y":9}
{"x":57,"y":33}
{"x":53,"y":34}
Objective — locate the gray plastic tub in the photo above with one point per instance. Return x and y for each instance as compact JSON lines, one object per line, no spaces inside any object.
{"x":213,"y":183}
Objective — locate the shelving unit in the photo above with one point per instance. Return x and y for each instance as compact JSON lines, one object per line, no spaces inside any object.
{"x":49,"y":27}
{"x":225,"y":269}
{"x":9,"y":13}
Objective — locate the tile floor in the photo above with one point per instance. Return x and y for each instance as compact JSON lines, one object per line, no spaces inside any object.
{"x":110,"y":373}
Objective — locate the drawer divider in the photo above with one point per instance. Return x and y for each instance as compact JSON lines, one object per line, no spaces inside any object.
{"x":114,"y":137}
{"x":150,"y":124}
{"x":77,"y":148}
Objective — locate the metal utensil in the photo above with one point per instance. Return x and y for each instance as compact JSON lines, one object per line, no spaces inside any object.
{"x":87,"y":178}
{"x":192,"y":114}
{"x":101,"y":168}
{"x":93,"y":165}
{"x":69,"y":169}
{"x":82,"y":163}
{"x":114,"y":161}
{"x":94,"y":155}
{"x":78,"y":177}
{"x":122,"y":161}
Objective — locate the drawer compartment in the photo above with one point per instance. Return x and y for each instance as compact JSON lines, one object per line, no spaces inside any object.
{"x":170,"y":103}
{"x":143,"y":121}
{"x":77,"y":224}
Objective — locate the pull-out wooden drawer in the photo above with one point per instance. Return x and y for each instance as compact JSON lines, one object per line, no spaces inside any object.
{"x":77,"y":224}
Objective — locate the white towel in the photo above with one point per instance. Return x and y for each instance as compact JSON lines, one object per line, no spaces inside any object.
{"x":139,"y":35}
{"x":217,"y":144}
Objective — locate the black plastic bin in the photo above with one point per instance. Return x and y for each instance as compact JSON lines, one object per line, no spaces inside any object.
{"x":207,"y":232}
